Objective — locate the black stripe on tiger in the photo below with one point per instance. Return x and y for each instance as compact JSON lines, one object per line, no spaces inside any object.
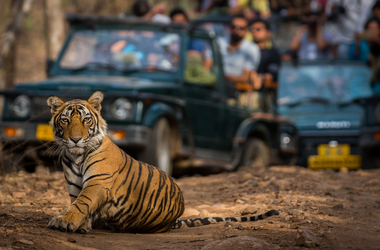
{"x":213,"y":220}
{"x":72,"y":184}
{"x":94,"y":176}
{"x":90,"y":165}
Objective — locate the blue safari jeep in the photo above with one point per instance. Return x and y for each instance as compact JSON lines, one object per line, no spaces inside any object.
{"x":162,"y":105}
{"x":370,"y":131}
{"x":319,"y":97}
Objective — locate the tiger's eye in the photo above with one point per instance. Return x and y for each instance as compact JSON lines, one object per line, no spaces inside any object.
{"x":64,"y":120}
{"x":86,"y":120}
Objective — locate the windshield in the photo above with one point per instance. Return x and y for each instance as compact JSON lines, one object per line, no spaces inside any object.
{"x":122,"y":50}
{"x":323,"y":83}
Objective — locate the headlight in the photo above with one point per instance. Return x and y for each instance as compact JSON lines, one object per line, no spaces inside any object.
{"x":287,"y":141}
{"x":22,"y":106}
{"x":121,"y":109}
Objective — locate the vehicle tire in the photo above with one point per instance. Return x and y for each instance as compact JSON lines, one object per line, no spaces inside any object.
{"x":157,"y":152}
{"x":256,"y":153}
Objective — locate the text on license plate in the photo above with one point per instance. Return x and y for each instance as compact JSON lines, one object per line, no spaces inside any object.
{"x":334,"y":158}
{"x":334,"y":162}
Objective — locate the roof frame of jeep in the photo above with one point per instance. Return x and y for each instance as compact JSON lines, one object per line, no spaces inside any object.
{"x":91,"y":20}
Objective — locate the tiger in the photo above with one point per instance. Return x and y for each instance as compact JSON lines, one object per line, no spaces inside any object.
{"x":106,"y":184}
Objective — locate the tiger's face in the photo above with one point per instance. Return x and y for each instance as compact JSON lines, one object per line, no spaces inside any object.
{"x":77,"y":124}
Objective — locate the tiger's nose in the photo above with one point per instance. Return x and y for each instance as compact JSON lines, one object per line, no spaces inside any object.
{"x":75,"y":139}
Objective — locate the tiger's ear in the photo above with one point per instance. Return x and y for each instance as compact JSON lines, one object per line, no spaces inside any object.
{"x":54,"y":103}
{"x":96,"y":99}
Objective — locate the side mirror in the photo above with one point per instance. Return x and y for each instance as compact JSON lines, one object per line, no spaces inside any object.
{"x":49,"y":65}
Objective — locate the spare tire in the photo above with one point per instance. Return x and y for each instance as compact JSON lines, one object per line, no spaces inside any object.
{"x":157,"y":152}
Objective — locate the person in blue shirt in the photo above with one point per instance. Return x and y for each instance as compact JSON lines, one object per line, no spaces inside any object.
{"x":367,"y":49}
{"x":367,"y":41}
{"x":311,"y":41}
{"x":178,"y":15}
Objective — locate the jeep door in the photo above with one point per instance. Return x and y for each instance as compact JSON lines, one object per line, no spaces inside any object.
{"x":201,"y":90}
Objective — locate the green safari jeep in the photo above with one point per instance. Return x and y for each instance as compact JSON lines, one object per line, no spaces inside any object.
{"x":165,"y":103}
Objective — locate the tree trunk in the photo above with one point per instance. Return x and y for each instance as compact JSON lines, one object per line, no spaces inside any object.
{"x":10,"y":66}
{"x":54,"y":28}
{"x":19,"y":9}
{"x":8,"y":44}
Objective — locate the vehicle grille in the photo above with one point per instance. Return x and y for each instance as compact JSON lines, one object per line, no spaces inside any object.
{"x":40,"y":109}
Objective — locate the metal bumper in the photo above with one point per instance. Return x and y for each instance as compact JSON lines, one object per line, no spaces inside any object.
{"x":309,"y":141}
{"x":136,"y":136}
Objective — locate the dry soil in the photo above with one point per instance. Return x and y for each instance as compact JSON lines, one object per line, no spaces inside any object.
{"x":324,"y":209}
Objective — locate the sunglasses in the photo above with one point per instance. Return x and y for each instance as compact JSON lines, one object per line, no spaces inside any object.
{"x":257,"y":29}
{"x":234,"y":27}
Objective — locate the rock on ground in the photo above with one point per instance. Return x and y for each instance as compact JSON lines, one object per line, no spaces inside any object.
{"x":305,"y":237}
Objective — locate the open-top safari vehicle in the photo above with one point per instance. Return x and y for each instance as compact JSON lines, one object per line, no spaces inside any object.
{"x":161,"y":104}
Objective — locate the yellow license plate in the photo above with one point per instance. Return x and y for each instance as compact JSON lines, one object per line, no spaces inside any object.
{"x":334,"y":162}
{"x":44,"y":132}
{"x":334,"y":157}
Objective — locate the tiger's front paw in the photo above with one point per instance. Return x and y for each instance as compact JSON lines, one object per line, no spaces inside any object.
{"x":85,"y":227}
{"x":65,"y":223}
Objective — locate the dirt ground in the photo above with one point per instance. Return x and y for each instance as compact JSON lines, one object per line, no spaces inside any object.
{"x":324,"y":209}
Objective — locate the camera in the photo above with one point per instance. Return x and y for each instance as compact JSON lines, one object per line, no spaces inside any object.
{"x":336,"y":12}
{"x":311,"y":18}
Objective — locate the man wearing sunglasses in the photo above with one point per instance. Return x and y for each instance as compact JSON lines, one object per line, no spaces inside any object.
{"x":269,"y":66}
{"x":240,"y":56}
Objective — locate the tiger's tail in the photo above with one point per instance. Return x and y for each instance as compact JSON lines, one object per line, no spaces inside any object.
{"x":213,"y":220}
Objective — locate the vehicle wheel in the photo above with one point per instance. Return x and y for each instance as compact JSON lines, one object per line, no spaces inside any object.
{"x":157,"y":152}
{"x":256,"y":153}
